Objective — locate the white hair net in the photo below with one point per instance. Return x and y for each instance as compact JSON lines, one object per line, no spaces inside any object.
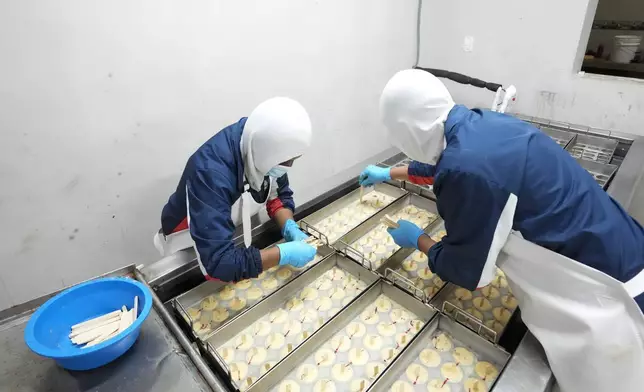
{"x":277,"y":130}
{"x":414,"y":106}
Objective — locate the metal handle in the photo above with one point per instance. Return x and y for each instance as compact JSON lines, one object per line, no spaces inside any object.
{"x":313,"y":231}
{"x":346,"y":249}
{"x":412,"y":287}
{"x":219,"y":360}
{"x":478,"y":323}
{"x":181,"y":309}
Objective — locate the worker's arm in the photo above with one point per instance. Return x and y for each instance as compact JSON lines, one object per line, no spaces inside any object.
{"x":425,"y":243}
{"x":212,"y":229}
{"x":280,"y":207}
{"x":478,"y":217}
{"x":416,"y":172}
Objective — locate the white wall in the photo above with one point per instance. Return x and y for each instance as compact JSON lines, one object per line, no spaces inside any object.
{"x":525,"y":43}
{"x":102,"y":102}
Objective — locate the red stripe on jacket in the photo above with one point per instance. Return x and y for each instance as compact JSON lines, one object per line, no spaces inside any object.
{"x":272,"y":206}
{"x":421,"y":180}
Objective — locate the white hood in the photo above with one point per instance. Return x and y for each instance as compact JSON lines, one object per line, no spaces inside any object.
{"x":414,"y":106}
{"x":277,"y":130}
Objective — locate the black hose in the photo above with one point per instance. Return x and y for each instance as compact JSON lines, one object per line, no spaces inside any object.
{"x":462,"y":79}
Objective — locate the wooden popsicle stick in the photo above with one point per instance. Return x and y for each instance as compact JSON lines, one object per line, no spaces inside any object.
{"x":389,"y":222}
{"x":88,"y":328}
{"x":95,"y":333}
{"x":125,"y":321}
{"x":361,"y":193}
{"x":103,"y":337}
{"x":95,"y":320}
{"x":135,"y":309}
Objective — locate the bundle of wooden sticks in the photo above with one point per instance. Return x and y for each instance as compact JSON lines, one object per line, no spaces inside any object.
{"x":99,"y":329}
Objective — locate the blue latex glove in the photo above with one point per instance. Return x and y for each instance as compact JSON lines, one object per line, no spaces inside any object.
{"x":406,"y":236}
{"x":291,"y":232}
{"x":374,"y":175}
{"x":296,"y":253}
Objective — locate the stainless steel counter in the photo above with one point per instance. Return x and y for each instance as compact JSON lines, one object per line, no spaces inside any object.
{"x":156,"y":362}
{"x":627,"y":186}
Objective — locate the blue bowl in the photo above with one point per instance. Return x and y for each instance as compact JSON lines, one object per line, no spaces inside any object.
{"x":47,"y":332}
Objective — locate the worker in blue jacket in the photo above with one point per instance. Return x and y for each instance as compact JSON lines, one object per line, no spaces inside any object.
{"x":494,"y":175}
{"x":240,"y":167}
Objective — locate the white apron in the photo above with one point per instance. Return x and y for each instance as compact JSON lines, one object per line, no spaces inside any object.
{"x":589,"y":325}
{"x":241,"y":212}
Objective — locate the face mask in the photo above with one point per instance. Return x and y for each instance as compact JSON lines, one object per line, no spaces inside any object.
{"x":278,"y":171}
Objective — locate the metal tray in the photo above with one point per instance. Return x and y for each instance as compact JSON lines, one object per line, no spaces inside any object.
{"x":593,"y":148}
{"x":347,"y":243}
{"x":420,"y":282}
{"x":486,"y":324}
{"x":602,"y":172}
{"x":336,"y":330}
{"x":562,"y":138}
{"x":347,"y":203}
{"x":394,"y":161}
{"x":192,"y":299}
{"x":461,"y":337}
{"x":281,"y":322}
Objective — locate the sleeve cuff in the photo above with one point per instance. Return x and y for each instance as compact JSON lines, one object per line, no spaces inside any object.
{"x":272,"y":206}
{"x":420,"y":173}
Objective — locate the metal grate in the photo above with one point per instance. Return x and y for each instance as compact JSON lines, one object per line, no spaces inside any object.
{"x":591,"y":153}
{"x":602,"y":179}
{"x":561,"y":142}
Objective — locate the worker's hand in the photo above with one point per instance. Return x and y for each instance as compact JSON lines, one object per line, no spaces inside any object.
{"x":291,"y":231}
{"x":374,"y":175}
{"x":296,"y":253}
{"x":406,"y":235}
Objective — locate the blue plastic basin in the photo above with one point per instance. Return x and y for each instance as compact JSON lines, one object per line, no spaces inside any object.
{"x":47,"y":332}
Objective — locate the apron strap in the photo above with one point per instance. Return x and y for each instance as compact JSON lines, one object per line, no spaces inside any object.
{"x":245,"y":207}
{"x":635,"y":286}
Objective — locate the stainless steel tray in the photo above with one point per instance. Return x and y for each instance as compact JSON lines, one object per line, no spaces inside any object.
{"x":593,"y":148}
{"x":404,"y":367}
{"x":369,"y":257}
{"x":491,"y":323}
{"x":419,"y":281}
{"x":437,"y":230}
{"x":336,"y":331}
{"x":562,"y":138}
{"x":224,"y":293}
{"x":347,"y":203}
{"x":394,"y":161}
{"x":249,"y":346}
{"x":601,"y":172}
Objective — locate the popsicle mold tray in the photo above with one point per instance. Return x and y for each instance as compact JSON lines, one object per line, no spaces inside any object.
{"x":370,"y":243}
{"x":343,"y":215}
{"x":377,"y":245}
{"x":353,"y":349}
{"x":277,"y":326}
{"x":214,"y":303}
{"x":445,"y":357}
{"x":486,"y":310}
